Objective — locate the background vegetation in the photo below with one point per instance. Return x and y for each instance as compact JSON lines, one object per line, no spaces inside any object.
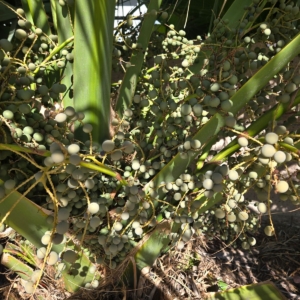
{"x":108,"y":174}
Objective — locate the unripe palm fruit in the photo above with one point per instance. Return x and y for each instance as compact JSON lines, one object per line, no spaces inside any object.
{"x":20,"y":34}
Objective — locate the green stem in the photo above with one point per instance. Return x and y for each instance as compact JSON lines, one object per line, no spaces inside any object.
{"x":24,"y":149}
{"x":289,"y":147}
{"x":18,"y":254}
{"x":273,"y":114}
{"x":14,"y":264}
{"x":97,"y":166}
{"x":56,"y":50}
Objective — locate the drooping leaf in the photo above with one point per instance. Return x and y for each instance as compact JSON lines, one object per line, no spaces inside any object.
{"x":92,"y":64}
{"x":148,"y":250}
{"x":35,"y":12}
{"x":64,"y":17}
{"x":257,"y":291}
{"x":130,"y":79}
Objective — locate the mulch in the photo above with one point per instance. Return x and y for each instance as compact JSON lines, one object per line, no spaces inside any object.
{"x":208,"y":266}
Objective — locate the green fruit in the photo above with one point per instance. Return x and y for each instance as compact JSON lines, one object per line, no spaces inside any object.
{"x":61,"y":64}
{"x":214,"y":87}
{"x":153,"y":94}
{"x":247,"y":39}
{"x":290,"y":87}
{"x":220,"y":213}
{"x":53,"y":37}
{"x":282,"y":186}
{"x":70,"y":111}
{"x":108,"y":146}
{"x":60,"y":117}
{"x":9,"y":184}
{"x":62,"y":227}
{"x":185,"y":63}
{"x":138,"y":231}
{"x":271,"y":138}
{"x":252,"y":241}
{"x":243,"y":142}
{"x":223,"y":96}
{"x":180,"y":245}
{"x":296,"y":79}
{"x":118,"y":226}
{"x":268,"y":150}
{"x":70,"y":256}
{"x":63,"y":214}
{"x":226,"y":65}
{"x":94,"y":283}
{"x":52,"y":258}
{"x":7,"y":114}
{"x":21,"y":70}
{"x":38,"y":31}
{"x":116,"y":155}
{"x":230,"y":121}
{"x":263,"y":26}
{"x":239,"y":197}
{"x":6,"y":45}
{"x":31,"y":66}
{"x":262,"y":208}
{"x":25,"y":108}
{"x":44,"y":46}
{"x":231,"y":217}
{"x":137,"y":99}
{"x":128,"y":147}
{"x":187,"y":145}
{"x":197,"y":109}
{"x":253,"y":175}
{"x":217,"y":178}
{"x":57,"y":238}
{"x":245,"y":245}
{"x":95,"y":222}
{"x":57,"y":157}
{"x":74,"y":159}
{"x":186,"y":109}
{"x":89,"y":183}
{"x":93,"y":208}
{"x":20,"y":34}
{"x":43,"y":90}
{"x":233,"y":80}
{"x":279,"y":157}
{"x":226,"y":105}
{"x":41,"y":252}
{"x":78,"y":174}
{"x":195,"y":144}
{"x":28,"y":130}
{"x":208,"y":184}
{"x":214,"y":102}
{"x":243,"y":216}
{"x":233,"y":175}
{"x":87,"y":128}
{"x":73,"y":149}
{"x":46,"y":239}
{"x":269,"y":230}
{"x":288,"y":140}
